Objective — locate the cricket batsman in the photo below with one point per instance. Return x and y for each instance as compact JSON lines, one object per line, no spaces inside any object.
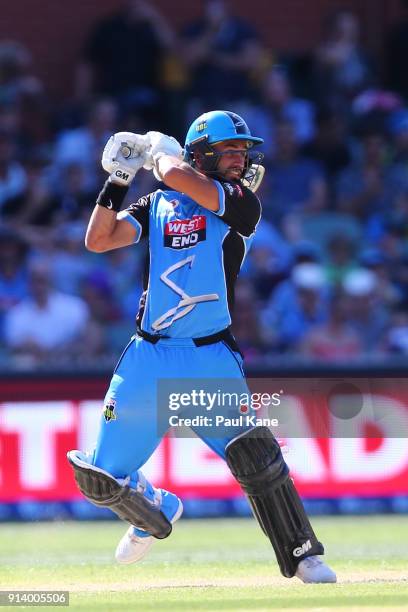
{"x":199,"y":229}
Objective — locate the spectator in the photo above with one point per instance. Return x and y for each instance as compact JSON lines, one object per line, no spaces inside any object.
{"x":98,"y":294}
{"x":296,"y":306}
{"x":369,"y":187}
{"x":330,"y":146}
{"x":367,"y":313}
{"x":334,"y":340}
{"x":13,"y":271}
{"x":72,"y":196}
{"x":13,"y":178}
{"x":342,"y":67}
{"x":278,"y":103}
{"x":107,"y":329}
{"x":124,"y":268}
{"x":16,"y":82}
{"x":306,"y":251}
{"x":396,"y":336}
{"x":11,"y":124}
{"x":22,"y":91}
{"x":296,"y":184}
{"x":44,"y":326}
{"x":123,"y":56}
{"x":375,"y":260}
{"x":398,"y":128}
{"x":221,"y":51}
{"x":269,"y":260}
{"x":70,"y":263}
{"x":375,"y":104}
{"x":84,"y":145}
{"x":34,"y":206}
{"x":246,"y":324}
{"x":400,"y":274}
{"x":340,"y":257}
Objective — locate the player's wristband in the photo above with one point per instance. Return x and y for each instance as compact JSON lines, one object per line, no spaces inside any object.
{"x":112,"y":196}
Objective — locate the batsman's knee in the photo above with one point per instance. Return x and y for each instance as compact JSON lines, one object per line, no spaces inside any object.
{"x":255,"y":457}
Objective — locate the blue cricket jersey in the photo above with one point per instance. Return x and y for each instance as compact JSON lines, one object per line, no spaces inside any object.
{"x":194,"y":258}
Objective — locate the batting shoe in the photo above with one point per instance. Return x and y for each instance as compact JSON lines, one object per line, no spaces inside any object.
{"x":136,"y":543}
{"x":314,"y":570}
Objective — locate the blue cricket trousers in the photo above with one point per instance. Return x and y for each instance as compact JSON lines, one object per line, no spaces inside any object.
{"x":126,"y":441}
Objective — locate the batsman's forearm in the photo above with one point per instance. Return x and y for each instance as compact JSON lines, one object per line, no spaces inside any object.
{"x":165,"y":164}
{"x":180,"y":176}
{"x":100,"y":228}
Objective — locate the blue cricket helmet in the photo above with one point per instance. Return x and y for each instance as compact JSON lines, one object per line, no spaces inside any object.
{"x":218,"y":126}
{"x":210,"y":128}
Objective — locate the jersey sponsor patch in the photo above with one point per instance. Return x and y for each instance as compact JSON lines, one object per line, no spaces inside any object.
{"x":229,"y":188}
{"x":238,"y":190}
{"x":234,"y":189}
{"x":185,"y":233}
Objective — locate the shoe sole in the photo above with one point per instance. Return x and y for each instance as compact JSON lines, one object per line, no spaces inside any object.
{"x":306,"y":580}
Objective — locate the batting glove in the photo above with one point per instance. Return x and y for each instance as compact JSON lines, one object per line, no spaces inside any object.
{"x":124,"y":154}
{"x":160,"y":144}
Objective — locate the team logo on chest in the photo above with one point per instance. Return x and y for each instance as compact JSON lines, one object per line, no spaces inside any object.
{"x":175,"y":207}
{"x":109,"y":410}
{"x":185,"y":233}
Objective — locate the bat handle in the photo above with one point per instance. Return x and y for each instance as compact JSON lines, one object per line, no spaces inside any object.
{"x":126,"y":151}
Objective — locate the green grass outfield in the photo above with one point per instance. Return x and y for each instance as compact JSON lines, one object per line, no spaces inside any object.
{"x":208,"y":565}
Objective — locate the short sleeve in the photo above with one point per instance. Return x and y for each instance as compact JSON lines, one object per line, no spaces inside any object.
{"x":239,"y":207}
{"x":138,"y":215}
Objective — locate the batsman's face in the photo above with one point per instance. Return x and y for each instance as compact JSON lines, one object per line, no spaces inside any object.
{"x":232,"y":160}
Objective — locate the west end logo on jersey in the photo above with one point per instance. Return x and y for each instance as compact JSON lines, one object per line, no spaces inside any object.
{"x":185,"y":233}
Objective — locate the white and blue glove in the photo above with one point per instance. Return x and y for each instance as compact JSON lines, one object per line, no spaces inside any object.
{"x":160,"y":144}
{"x":123,"y":156}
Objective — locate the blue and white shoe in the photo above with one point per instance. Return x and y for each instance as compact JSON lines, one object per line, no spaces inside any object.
{"x":136,"y":543}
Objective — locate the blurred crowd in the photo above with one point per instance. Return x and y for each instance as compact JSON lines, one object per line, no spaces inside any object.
{"x":327,"y":277}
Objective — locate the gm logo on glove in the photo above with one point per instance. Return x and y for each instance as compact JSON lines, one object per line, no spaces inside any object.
{"x":122,"y":175}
